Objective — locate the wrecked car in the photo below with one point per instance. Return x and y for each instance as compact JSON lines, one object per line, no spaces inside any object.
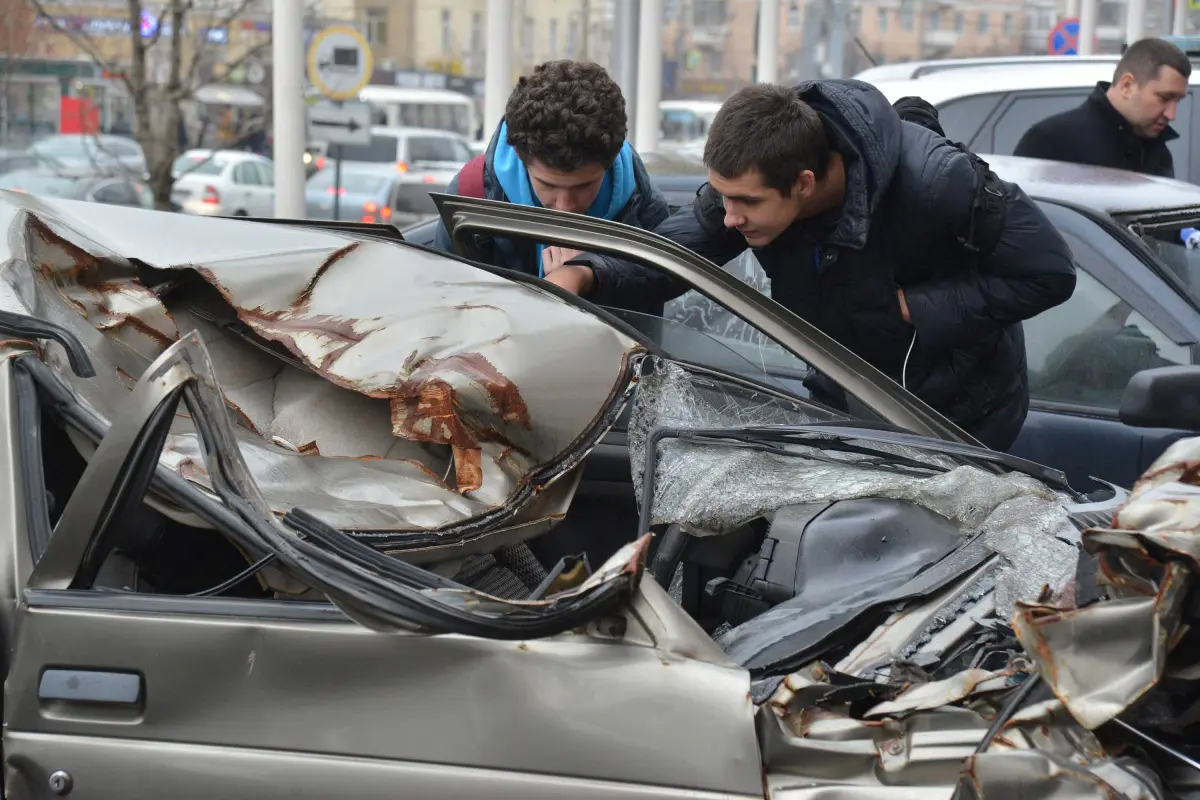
{"x":294,"y":509}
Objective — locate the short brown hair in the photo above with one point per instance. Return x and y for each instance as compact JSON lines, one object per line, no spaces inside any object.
{"x":1146,"y":57}
{"x":768,"y":128}
{"x":566,"y":115}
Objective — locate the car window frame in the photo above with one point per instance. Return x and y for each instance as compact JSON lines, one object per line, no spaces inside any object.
{"x":1075,"y":93}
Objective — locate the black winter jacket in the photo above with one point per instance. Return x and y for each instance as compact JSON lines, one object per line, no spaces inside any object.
{"x":646,"y":209}
{"x":1095,"y":133}
{"x":909,"y":194}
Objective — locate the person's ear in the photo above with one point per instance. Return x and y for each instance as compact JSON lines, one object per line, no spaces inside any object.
{"x":1127,"y":84}
{"x":805,"y":185}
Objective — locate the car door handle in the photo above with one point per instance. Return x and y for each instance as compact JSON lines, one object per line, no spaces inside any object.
{"x":90,"y":686}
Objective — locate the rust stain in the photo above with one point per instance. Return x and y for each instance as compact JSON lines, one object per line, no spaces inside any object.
{"x":310,"y":449}
{"x":305,"y":296}
{"x":283,"y":327}
{"x":426,"y":408}
{"x":523,"y":646}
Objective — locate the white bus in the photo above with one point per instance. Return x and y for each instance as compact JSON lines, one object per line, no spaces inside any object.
{"x":436,"y":109}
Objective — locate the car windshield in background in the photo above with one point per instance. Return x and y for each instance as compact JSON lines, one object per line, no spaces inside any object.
{"x":381,"y":150}
{"x":38,"y":183}
{"x":353,"y":182}
{"x":198,"y":165}
{"x":1177,"y":242}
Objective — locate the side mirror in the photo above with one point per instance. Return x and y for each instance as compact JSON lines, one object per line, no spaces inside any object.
{"x":1164,"y":397}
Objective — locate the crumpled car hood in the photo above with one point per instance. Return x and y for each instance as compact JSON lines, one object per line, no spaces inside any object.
{"x":387,"y":388}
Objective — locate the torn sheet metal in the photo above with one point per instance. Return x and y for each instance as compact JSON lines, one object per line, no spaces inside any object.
{"x":1102,"y":658}
{"x":408,"y":391}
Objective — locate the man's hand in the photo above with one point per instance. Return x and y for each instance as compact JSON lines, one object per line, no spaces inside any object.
{"x":554,"y":257}
{"x":575,"y":278}
{"x":903,"y":306}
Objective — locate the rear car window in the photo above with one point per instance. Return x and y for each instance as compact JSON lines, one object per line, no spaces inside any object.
{"x":382,"y":149}
{"x":962,"y":118}
{"x":34,"y":183}
{"x":429,"y":148}
{"x":198,"y":165}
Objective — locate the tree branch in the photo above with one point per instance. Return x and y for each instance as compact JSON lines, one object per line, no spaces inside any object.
{"x":81,"y":42}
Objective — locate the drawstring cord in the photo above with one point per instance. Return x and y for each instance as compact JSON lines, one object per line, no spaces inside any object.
{"x":904,"y":371}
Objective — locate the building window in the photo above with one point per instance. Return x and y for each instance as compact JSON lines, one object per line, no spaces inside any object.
{"x":883,"y":18}
{"x":906,"y":18}
{"x":959,"y":22}
{"x":376,"y":25}
{"x":476,"y":33}
{"x":1008,"y":24}
{"x":572,"y":37}
{"x":708,"y":12}
{"x":794,"y":17}
{"x":447,"y":32}
{"x":527,"y":38}
{"x":935,"y":20}
{"x":983,"y":23}
{"x":552,"y":45}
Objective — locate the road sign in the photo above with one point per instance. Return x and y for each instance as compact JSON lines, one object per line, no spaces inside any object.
{"x":339,"y":62}
{"x":1064,"y":38}
{"x":340,"y":122}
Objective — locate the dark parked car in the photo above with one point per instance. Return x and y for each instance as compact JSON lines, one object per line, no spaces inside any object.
{"x":1136,"y":305}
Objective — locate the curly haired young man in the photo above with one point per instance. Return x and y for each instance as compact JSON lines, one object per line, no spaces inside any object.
{"x":561,"y":145}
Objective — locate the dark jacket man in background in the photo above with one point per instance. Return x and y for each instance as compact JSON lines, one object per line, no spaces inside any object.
{"x":858,"y":219}
{"x":561,"y":145}
{"x":1125,"y":124}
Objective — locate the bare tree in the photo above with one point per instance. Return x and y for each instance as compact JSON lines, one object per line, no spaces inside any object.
{"x":16,"y":38}
{"x":179,"y":41}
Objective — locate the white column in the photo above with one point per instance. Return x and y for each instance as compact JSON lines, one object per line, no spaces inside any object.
{"x":288,"y":111}
{"x":649,"y":82}
{"x":1135,"y":20}
{"x":1179,"y":22}
{"x":1087,"y":27}
{"x":497,"y":78}
{"x":623,"y":62}
{"x":767,"y":63}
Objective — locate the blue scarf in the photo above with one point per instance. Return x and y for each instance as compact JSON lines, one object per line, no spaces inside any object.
{"x":619,"y":183}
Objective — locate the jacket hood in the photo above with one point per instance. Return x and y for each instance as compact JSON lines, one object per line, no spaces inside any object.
{"x":865,"y":129}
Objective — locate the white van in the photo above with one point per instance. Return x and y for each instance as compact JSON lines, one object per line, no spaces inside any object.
{"x":434,"y":109}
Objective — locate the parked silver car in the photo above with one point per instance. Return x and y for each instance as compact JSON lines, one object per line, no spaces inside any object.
{"x":289,"y":507}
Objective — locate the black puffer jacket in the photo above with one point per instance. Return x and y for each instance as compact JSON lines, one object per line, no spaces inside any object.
{"x":909,"y":194}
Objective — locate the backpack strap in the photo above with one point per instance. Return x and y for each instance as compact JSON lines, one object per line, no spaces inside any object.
{"x":989,"y":211}
{"x":470,"y":178}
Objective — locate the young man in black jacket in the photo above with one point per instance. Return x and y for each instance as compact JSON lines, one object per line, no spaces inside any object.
{"x":1125,"y":124}
{"x":859,"y":218}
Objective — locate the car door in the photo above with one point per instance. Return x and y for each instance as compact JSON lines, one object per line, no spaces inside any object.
{"x":265,"y":205}
{"x":117,"y":691}
{"x":1081,"y":355}
{"x":246,"y":191}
